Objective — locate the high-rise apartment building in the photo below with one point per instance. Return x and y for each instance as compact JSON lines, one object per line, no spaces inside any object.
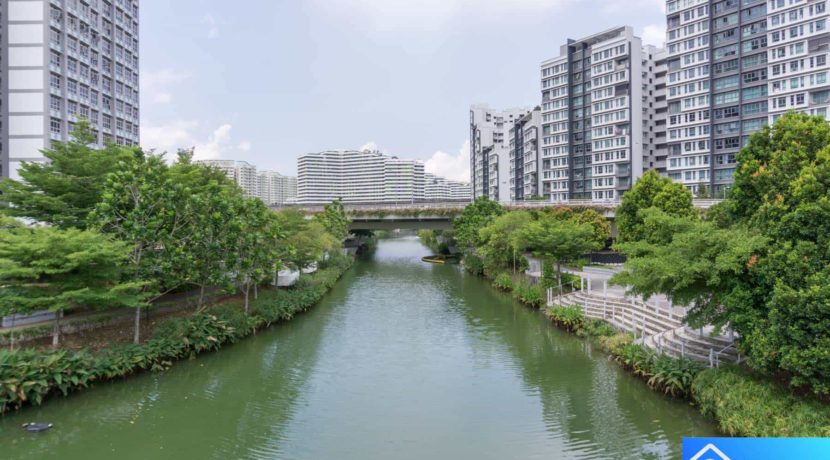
{"x":275,"y":189}
{"x":242,"y":173}
{"x":592,"y":116}
{"x":490,"y":150}
{"x":733,"y":67}
{"x":359,"y":177}
{"x":440,"y":189}
{"x":525,"y":156}
{"x":61,"y":61}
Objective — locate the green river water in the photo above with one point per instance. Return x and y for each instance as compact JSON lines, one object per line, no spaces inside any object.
{"x":402,"y":360}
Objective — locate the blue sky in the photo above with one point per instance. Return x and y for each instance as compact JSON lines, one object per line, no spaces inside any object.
{"x":267,"y":80}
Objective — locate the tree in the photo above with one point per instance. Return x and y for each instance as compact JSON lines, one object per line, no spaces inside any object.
{"x":692,"y":262}
{"x":501,"y":240}
{"x":600,"y":224}
{"x":652,"y":190}
{"x":63,"y":190}
{"x":255,"y":246}
{"x":759,"y":262}
{"x":475,"y":217}
{"x":559,"y":241}
{"x":142,"y":207}
{"x":306,"y":241}
{"x":782,"y":191}
{"x":213,"y":228}
{"x":335,"y":220}
{"x":44,"y":268}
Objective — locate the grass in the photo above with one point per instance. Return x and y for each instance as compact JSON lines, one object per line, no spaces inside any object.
{"x":746,"y":404}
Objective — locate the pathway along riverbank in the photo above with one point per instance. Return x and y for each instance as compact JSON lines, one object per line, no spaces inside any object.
{"x":402,"y":359}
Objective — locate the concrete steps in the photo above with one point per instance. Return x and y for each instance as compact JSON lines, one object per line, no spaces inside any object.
{"x":660,"y":329}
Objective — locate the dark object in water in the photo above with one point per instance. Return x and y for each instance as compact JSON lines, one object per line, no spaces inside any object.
{"x":37,"y":427}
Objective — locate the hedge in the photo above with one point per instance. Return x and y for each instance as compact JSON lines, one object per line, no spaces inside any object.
{"x":31,"y":376}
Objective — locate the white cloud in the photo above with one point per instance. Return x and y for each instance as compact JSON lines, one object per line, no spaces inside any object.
{"x":453,"y":167}
{"x":213,"y":26}
{"x":180,"y":134}
{"x":371,"y":146}
{"x":168,"y":137}
{"x":654,"y":34}
{"x":157,"y":84}
{"x":217,"y":143}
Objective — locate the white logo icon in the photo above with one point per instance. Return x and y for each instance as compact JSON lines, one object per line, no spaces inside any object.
{"x":710,"y":452}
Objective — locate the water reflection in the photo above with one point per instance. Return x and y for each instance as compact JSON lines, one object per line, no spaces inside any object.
{"x":402,"y":360}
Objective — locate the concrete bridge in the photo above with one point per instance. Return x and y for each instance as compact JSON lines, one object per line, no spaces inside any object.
{"x":439,"y":215}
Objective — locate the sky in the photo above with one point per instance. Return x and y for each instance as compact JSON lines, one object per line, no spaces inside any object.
{"x":265,"y":81}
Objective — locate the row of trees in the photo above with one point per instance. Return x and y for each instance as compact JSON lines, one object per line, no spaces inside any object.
{"x":759,"y":262}
{"x":119,"y":227}
{"x":499,"y":238}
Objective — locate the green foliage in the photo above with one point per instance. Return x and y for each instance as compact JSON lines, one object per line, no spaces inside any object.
{"x":64,"y":190}
{"x":528,"y":294}
{"x":307,"y":240}
{"x":672,"y":376}
{"x":44,"y":268}
{"x":600,"y":225}
{"x":334,"y":220}
{"x":30,"y":377}
{"x":474,"y":265}
{"x":651,"y":190}
{"x":693,"y":262}
{"x":504,"y":282}
{"x":475,"y":217}
{"x":747,"y":405}
{"x":614,"y":343}
{"x":596,"y":328}
{"x":570,"y":318}
{"x":759,"y":262}
{"x":501,"y":241}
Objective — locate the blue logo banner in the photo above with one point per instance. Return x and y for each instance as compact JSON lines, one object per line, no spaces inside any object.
{"x":756,"y":448}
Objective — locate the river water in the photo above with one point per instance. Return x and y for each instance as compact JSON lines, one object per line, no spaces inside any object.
{"x":402,"y":360}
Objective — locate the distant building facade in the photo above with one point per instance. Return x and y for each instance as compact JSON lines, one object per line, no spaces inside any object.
{"x":271,"y":187}
{"x":369,"y":177}
{"x":61,"y":61}
{"x":490,"y":151}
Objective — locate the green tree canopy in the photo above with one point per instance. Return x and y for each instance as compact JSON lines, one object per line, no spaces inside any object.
{"x":502,"y":242}
{"x":559,"y":241}
{"x":63,"y":190}
{"x":475,"y":217}
{"x":651,"y":190}
{"x":45,"y":268}
{"x":141,"y":206}
{"x":335,"y":220}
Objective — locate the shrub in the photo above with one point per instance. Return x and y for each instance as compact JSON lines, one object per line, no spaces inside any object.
{"x":474,"y":265}
{"x":31,"y":376}
{"x":571,"y":318}
{"x":527,"y":294}
{"x":503,"y":282}
{"x":596,"y":328}
{"x":746,"y":405}
{"x":612,"y":344}
{"x":674,"y":376}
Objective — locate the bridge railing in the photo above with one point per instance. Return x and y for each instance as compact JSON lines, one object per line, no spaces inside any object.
{"x":386,"y":207}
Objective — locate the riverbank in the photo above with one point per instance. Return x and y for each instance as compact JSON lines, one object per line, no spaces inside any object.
{"x":30,"y":377}
{"x":742,"y":403}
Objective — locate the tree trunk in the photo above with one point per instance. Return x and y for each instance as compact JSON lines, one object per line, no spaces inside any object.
{"x":56,"y":333}
{"x":247,"y":290}
{"x":201,"y":297}
{"x":559,"y":281}
{"x":514,"y":262}
{"x":256,"y":291}
{"x":137,"y":327}
{"x":11,"y":339}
